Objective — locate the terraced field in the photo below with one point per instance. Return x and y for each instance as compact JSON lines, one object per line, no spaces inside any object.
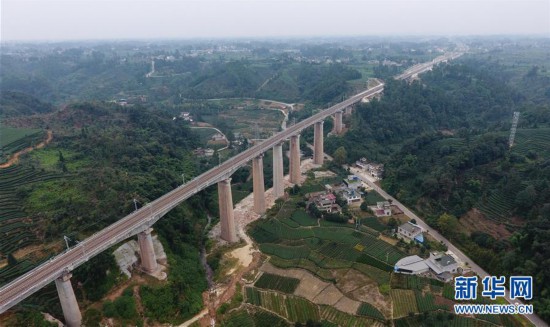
{"x":291,"y":307}
{"x":16,"y":231}
{"x":498,"y":206}
{"x":16,"y":139}
{"x":404,"y":302}
{"x":532,"y":140}
{"x":277,"y":283}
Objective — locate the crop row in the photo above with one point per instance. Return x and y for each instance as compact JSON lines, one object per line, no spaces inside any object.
{"x":366,"y":309}
{"x":404,"y":303}
{"x":413,"y":282}
{"x":344,"y":319}
{"x":339,"y":251}
{"x":381,"y":250}
{"x":426,"y":302}
{"x":293,"y":308}
{"x":277,"y":283}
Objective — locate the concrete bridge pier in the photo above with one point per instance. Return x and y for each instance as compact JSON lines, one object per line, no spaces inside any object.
{"x":147,"y":252}
{"x":258,"y":184}
{"x":318,"y":151}
{"x":227,"y":219}
{"x":278,"y":174}
{"x":338,"y":122}
{"x":348,"y":110}
{"x":71,"y":312}
{"x":295,"y":172}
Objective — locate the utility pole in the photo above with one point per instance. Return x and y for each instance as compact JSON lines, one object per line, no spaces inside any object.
{"x":183,"y":178}
{"x":135,"y":205}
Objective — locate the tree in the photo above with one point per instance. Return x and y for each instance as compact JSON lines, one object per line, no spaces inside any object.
{"x":340,"y":156}
{"x":12,"y":261}
{"x":448,"y":224}
{"x":364,"y":206}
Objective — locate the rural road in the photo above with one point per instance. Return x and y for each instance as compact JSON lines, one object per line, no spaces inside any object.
{"x":436,"y":235}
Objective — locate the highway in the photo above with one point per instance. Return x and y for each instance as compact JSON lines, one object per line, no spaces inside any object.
{"x":140,"y":220}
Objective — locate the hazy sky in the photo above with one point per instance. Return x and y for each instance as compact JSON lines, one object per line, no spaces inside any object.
{"x":102,"y":19}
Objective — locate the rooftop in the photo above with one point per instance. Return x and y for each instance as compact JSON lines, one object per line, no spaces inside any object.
{"x":410,"y":227}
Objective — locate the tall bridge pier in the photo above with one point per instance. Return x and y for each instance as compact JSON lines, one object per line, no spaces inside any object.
{"x":348,"y":110}
{"x":295,"y":171}
{"x":318,"y":152}
{"x":338,"y":122}
{"x":278,"y":174}
{"x":258,"y":184}
{"x":227,"y":219}
{"x":147,"y":252}
{"x":71,"y":312}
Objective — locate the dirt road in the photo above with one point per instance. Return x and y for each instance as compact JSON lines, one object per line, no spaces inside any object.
{"x":15,"y":157}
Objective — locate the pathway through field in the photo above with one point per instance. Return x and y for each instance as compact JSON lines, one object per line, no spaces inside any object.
{"x":15,"y":157}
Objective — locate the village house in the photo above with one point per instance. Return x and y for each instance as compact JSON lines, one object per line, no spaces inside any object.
{"x":218,"y":137}
{"x":353,"y":182}
{"x":325,"y":202}
{"x":410,"y":232}
{"x":442,"y":265}
{"x":362,"y":163}
{"x":350,"y":195}
{"x":186,"y":116}
{"x":200,"y":152}
{"x":375,"y":170}
{"x":382,"y":209}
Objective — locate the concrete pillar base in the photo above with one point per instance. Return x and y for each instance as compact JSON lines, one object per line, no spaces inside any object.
{"x":147,"y":252}
{"x":338,"y":122}
{"x":227,"y":218}
{"x":318,"y":151}
{"x":258,"y":184}
{"x":71,"y":312}
{"x":295,"y":172}
{"x":278,"y":174}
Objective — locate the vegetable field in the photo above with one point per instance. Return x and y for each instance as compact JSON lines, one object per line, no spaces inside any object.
{"x":291,"y":307}
{"x":16,"y":139}
{"x":343,"y":319}
{"x":404,"y":302}
{"x":277,"y":283}
{"x":369,"y":311}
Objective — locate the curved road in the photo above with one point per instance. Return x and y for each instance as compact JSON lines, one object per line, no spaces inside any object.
{"x":140,"y":220}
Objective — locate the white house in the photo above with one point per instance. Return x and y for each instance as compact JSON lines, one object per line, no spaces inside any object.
{"x":411,"y":232}
{"x":353,"y":182}
{"x":383,"y":208}
{"x":411,"y":265}
{"x":351,"y":195}
{"x":443,"y":265}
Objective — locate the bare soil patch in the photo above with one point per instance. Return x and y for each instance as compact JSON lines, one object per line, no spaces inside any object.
{"x":474,"y":220}
{"x":310,"y":287}
{"x":348,"y":305}
{"x":369,"y":293}
{"x":329,"y":295}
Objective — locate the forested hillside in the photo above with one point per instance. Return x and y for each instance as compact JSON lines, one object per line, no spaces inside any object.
{"x":102,"y":158}
{"x":444,"y":140}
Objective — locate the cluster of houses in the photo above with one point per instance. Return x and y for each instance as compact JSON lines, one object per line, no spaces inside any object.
{"x":186,"y":116}
{"x":441,"y":265}
{"x":376,"y":170}
{"x":349,"y":190}
{"x":201,"y":152}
